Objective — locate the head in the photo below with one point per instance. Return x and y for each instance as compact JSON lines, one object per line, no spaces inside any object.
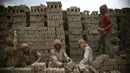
{"x":25,"y":47}
{"x":115,"y":41}
{"x":9,"y":42}
{"x":103,"y":9}
{"x":57,"y":44}
{"x":82,"y":43}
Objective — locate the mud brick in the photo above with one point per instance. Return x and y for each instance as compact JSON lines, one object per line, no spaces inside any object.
{"x":102,"y":58}
{"x":119,"y":62}
{"x":112,"y":71}
{"x":104,"y":68}
{"x":112,"y":62}
{"x":94,"y":70}
{"x":38,"y":66}
{"x":117,"y":71}
{"x":96,"y":64}
{"x":62,"y":70}
{"x":110,"y":67}
{"x":124,"y":61}
{"x":115,"y":67}
{"x":82,"y":67}
{"x":76,"y":70}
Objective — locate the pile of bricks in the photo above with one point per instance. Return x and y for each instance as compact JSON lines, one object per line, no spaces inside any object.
{"x":38,"y":68}
{"x":90,"y":22}
{"x":54,"y":70}
{"x":103,"y":63}
{"x":75,"y":28}
{"x":15,"y":70}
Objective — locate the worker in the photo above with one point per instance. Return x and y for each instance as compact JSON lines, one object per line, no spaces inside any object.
{"x":88,"y":54}
{"x":9,"y":53}
{"x":105,"y":29}
{"x":31,"y":56}
{"x":58,"y":55}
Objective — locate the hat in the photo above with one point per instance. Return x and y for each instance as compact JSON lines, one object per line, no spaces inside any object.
{"x":24,"y":46}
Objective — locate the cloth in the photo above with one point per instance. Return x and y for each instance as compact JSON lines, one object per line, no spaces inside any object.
{"x":105,"y":22}
{"x":57,"y":41}
{"x":88,"y":55}
{"x":24,"y":46}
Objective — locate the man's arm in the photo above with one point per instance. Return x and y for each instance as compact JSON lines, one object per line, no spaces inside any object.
{"x":39,"y":56}
{"x":86,"y":56}
{"x":54,"y":59}
{"x":15,"y":38}
{"x":67,"y":57}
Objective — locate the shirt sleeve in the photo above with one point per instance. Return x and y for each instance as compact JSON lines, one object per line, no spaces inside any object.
{"x":54,"y":59}
{"x":66,"y":56}
{"x":86,"y":56}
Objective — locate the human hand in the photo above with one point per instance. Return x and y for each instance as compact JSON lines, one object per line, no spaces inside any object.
{"x":34,"y":63}
{"x":102,"y":29}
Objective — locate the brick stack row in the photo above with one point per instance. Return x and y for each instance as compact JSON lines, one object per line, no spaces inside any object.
{"x":103,"y":63}
{"x":75,"y":28}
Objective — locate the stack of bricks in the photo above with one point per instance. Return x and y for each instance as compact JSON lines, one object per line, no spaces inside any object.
{"x":104,"y":64}
{"x":54,"y":70}
{"x":124,"y":19}
{"x":38,"y":68}
{"x":4,"y":21}
{"x":93,"y":35}
{"x":114,"y":21}
{"x":90,"y":22}
{"x":83,"y":68}
{"x":40,"y":41}
{"x":75,"y":28}
{"x":115,"y":71}
{"x":38,"y":16}
{"x":17,"y":15}
{"x":76,"y":70}
{"x":55,"y":20}
{"x":15,"y":70}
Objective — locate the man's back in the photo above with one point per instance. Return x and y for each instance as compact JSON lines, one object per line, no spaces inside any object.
{"x":10,"y":56}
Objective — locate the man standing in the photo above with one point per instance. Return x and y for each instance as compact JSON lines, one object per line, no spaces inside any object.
{"x":88,"y":54}
{"x":105,"y":30}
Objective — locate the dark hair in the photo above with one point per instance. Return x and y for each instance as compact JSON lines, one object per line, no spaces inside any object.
{"x":104,"y":8}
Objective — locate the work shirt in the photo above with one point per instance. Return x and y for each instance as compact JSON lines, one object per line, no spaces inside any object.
{"x":32,"y":56}
{"x":87,"y":55}
{"x":57,"y":58}
{"x":105,"y":21}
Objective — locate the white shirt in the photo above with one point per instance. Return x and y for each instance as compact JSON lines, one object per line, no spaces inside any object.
{"x":88,"y":55}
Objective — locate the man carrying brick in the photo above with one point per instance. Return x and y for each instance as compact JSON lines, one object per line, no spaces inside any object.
{"x":9,"y":54}
{"x":31,"y":56}
{"x":88,"y":54}
{"x":105,"y":29}
{"x":58,"y":55}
